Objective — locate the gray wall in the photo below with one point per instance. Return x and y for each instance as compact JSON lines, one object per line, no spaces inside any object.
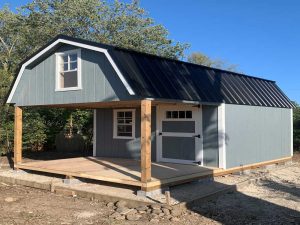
{"x":255,"y":134}
{"x":99,"y":82}
{"x":210,"y":136}
{"x":107,"y":146}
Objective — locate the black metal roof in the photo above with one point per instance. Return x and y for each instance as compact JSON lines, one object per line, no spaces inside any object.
{"x":152,"y":76}
{"x":156,"y":77}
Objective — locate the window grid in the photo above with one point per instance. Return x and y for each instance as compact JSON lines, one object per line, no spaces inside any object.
{"x":179,"y":114}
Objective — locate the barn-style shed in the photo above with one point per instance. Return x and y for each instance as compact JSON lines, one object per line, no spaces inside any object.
{"x":157,"y":121}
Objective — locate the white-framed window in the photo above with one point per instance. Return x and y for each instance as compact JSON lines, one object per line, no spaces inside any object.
{"x":124,"y":123}
{"x":68,"y":70}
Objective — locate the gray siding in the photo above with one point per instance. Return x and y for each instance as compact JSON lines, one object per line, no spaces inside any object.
{"x":107,"y":146}
{"x":256,"y":134}
{"x":99,"y":82}
{"x":210,"y":136}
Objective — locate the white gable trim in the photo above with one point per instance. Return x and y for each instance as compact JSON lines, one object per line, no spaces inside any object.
{"x":90,"y":47}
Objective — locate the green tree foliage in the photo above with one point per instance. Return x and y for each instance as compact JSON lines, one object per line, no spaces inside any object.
{"x":297,"y":127}
{"x":34,"y":24}
{"x":201,"y":59}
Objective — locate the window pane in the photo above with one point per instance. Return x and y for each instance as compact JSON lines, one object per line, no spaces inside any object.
{"x":124,"y":130}
{"x":121,"y":128}
{"x":73,"y":65}
{"x":181,"y":114}
{"x":69,"y":79}
{"x":189,"y":114}
{"x":174,"y":114}
{"x":122,"y":134}
{"x":65,"y":59}
{"x":168,"y":114}
{"x":73,"y":57}
{"x":128,"y":129}
{"x":128,"y":114}
{"x":65,"y":67}
{"x":121,"y":120}
{"x":120,"y":114}
{"x":129,"y":121}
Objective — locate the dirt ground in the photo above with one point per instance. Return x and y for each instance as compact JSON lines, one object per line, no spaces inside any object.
{"x":275,"y":199}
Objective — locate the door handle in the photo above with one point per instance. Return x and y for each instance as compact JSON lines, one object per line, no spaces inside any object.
{"x":197,"y":136}
{"x":160,"y":133}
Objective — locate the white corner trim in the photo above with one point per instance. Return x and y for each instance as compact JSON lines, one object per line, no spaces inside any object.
{"x":94,"y":133}
{"x":90,"y":47}
{"x":292,"y":133}
{"x":222,"y":136}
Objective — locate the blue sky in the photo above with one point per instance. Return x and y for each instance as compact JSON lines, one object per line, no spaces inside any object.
{"x":261,"y":37}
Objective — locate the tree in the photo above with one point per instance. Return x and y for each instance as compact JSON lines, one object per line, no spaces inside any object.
{"x":34,"y":24}
{"x":201,"y":59}
{"x":296,"y":127}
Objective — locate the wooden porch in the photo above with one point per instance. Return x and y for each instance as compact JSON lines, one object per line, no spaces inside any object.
{"x":121,"y":171}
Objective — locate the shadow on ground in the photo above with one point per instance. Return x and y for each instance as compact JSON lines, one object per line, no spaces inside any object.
{"x":235,"y":208}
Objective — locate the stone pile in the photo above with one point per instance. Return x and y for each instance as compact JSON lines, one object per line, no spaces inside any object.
{"x":153,"y":213}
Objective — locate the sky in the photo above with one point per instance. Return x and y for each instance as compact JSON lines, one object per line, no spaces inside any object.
{"x":261,"y":37}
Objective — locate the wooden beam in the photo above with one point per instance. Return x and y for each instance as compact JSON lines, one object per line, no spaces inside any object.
{"x":145,"y":141}
{"x":18,"y":136}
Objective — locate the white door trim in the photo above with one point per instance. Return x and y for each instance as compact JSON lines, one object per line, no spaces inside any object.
{"x":197,"y":117}
{"x":222,"y":136}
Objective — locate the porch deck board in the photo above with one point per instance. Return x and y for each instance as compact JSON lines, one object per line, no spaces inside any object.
{"x":115,"y":170}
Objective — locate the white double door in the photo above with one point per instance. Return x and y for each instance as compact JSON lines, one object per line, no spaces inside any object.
{"x":179,"y":134}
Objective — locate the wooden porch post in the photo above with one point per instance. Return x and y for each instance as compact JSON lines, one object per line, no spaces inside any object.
{"x":145,"y":142}
{"x":18,"y":136}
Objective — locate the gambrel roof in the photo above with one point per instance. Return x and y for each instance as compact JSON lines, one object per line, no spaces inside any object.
{"x":149,"y":76}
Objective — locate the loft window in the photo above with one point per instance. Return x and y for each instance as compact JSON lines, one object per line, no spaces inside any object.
{"x":68,"y":70}
{"x":124,"y":123}
{"x":179,"y":114}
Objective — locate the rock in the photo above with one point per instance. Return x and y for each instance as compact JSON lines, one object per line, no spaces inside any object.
{"x":142,"y":212}
{"x":121,"y":217}
{"x":133,"y":217}
{"x":154,"y":216}
{"x":156,"y":211}
{"x":84,"y":214}
{"x":121,"y":204}
{"x":176,"y":212}
{"x":142,"y":208}
{"x":167,"y":207}
{"x":169,"y":217}
{"x":153,"y":220}
{"x":155,"y":207}
{"x":132,"y":211}
{"x":123,"y":210}
{"x":166,"y":211}
{"x":161,"y":214}
{"x":9,"y":199}
{"x":110,"y":204}
{"x":148,"y":210}
{"x":114,"y":215}
{"x":174,"y":219}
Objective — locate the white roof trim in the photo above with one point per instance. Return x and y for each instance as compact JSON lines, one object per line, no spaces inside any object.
{"x":90,"y":47}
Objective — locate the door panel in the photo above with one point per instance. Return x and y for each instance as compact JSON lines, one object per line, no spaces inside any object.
{"x":178,"y":126}
{"x":182,"y":148}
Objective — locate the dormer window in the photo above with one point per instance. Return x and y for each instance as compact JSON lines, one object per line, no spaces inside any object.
{"x":68,"y":70}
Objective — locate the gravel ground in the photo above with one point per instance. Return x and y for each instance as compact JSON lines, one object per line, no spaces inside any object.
{"x":273,"y":200}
